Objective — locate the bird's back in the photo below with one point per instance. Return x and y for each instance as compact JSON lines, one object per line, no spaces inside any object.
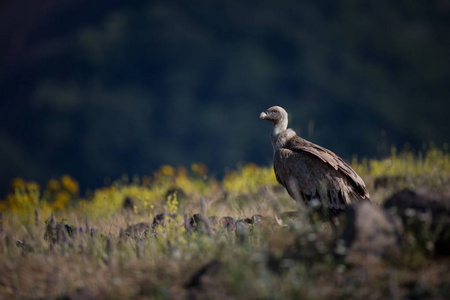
{"x":311,"y":172}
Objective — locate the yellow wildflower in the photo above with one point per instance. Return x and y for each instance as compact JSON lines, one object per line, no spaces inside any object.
{"x":61,"y":200}
{"x":70,"y":184}
{"x":18,"y":183}
{"x":53,"y":185}
{"x":167,"y":170}
{"x":199,"y":168}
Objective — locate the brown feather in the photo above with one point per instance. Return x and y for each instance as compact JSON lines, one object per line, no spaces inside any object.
{"x":299,"y":145}
{"x":309,"y":171}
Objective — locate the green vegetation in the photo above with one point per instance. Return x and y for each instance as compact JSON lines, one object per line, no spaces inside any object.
{"x":89,"y":252}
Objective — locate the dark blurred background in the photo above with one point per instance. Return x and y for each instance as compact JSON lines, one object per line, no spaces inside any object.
{"x":96,"y":89}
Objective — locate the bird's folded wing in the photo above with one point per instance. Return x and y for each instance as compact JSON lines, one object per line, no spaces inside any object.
{"x":298,"y":144}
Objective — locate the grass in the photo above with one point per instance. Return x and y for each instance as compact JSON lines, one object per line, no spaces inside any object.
{"x":267,"y":261}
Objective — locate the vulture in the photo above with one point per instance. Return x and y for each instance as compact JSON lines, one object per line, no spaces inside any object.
{"x":309,"y":172}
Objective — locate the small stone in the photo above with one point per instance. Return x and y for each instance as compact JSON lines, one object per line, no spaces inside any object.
{"x":242,"y":230}
{"x":228,"y":223}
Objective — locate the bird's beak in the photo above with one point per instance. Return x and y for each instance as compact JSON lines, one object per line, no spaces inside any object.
{"x":263,"y":115}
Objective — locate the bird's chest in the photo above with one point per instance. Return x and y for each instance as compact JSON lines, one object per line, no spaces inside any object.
{"x":277,"y":176}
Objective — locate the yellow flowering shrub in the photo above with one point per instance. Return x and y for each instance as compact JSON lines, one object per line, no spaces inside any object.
{"x":248,"y":179}
{"x":24,"y":196}
{"x":406,"y":163}
{"x":194,"y":182}
{"x":199,"y":168}
{"x":59,"y":194}
{"x":70,"y":184}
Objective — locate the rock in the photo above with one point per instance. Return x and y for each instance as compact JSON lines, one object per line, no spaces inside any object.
{"x":202,"y":223}
{"x":257,"y":220}
{"x":249,"y":221}
{"x":425,"y":214}
{"x":229,"y":223}
{"x":160,"y":219}
{"x":141,"y":229}
{"x":421,"y":200}
{"x":242,"y":230}
{"x":369,"y":234}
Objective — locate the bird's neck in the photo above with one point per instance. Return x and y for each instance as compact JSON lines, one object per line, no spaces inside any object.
{"x":279,"y":127}
{"x":280,"y":135}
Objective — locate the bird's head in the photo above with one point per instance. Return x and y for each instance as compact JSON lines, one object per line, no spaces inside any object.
{"x":274,"y":114}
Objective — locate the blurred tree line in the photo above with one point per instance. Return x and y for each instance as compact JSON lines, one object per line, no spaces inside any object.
{"x":101,"y":89}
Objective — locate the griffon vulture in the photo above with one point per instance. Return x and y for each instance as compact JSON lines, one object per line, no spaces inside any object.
{"x":309,"y":172}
